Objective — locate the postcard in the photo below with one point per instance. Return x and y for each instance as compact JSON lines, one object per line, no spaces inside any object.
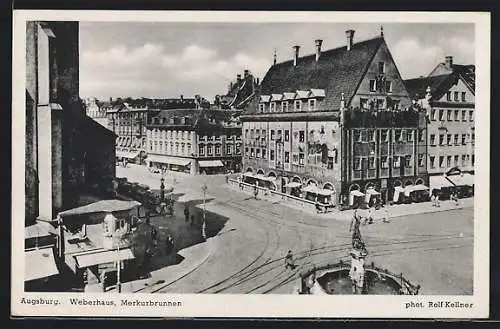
{"x":250,"y":164}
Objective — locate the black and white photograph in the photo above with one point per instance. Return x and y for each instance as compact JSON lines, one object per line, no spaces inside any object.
{"x":256,"y":158}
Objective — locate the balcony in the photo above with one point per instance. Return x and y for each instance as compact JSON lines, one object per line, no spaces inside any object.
{"x":356,"y":118}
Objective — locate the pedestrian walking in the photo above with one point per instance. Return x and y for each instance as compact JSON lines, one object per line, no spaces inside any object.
{"x":455,"y":196}
{"x":437,"y":201}
{"x":386,"y":218}
{"x":433,"y":200}
{"x":369,"y":218}
{"x":186,"y":213}
{"x":289,"y":260}
{"x":255,"y":191}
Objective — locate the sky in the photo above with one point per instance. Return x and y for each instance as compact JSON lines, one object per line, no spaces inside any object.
{"x":166,"y":59}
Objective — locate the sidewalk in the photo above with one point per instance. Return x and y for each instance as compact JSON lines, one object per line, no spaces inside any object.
{"x":394,"y":210}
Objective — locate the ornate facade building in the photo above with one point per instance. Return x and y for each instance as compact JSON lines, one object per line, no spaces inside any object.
{"x":448,"y":95}
{"x":338,"y":124}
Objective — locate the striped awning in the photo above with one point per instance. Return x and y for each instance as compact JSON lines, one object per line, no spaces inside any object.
{"x":465,"y":179}
{"x":126,"y":154}
{"x":437,"y":182}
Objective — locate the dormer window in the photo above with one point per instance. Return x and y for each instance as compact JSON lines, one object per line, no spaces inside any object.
{"x":262,"y":107}
{"x":373,"y":85}
{"x":284,"y":106}
{"x":273,"y":107}
{"x":388,"y":86}
{"x":312,"y":104}
{"x":298,"y":105}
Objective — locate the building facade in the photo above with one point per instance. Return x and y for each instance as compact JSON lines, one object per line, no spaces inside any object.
{"x":448,"y":95}
{"x":60,"y":160}
{"x":194,"y":140}
{"x":338,"y":120}
{"x":96,"y":111}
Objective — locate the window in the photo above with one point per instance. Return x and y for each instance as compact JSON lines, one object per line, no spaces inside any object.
{"x":473,"y":138}
{"x":357,"y":163}
{"x":271,"y":155}
{"x":472,"y":160}
{"x":441,"y":139}
{"x":396,"y":162}
{"x":457,"y":118}
{"x":252,"y":135}
{"x":448,"y":96}
{"x":252,"y":152}
{"x":357,"y":136}
{"x":370,"y":136}
{"x":257,"y":153}
{"x":272,"y":134}
{"x":448,"y":139}
{"x":431,"y":161}
{"x":246,"y":133}
{"x":448,"y":161}
{"x":264,"y":154}
{"x":363,"y":103}
{"x":273,"y":107}
{"x":420,"y":160}
{"x":380,"y":103}
{"x":397,"y":135}
{"x":201,"y":149}
{"x":329,"y":164}
{"x":287,"y":135}
{"x":433,"y":114}
{"x":301,"y":159}
{"x":456,"y":96}
{"x":448,"y":115}
{"x":384,"y":162}
{"x":441,"y":161}
{"x":471,"y":115}
{"x":441,"y":115}
{"x":388,"y":86}
{"x":456,"y":139}
{"x":209,"y":149}
{"x":312,"y":104}
{"x":463,"y":139}
{"x":456,"y":160}
{"x":295,"y":158}
{"x":384,"y":135}
{"x":409,"y":136}
{"x":301,"y":136}
{"x":381,"y":67}
{"x":464,"y":115}
{"x":373,"y":85}
{"x":463,"y":160}
{"x":284,"y":106}
{"x":229,"y":149}
{"x":217,"y":149}
{"x":463,"y":96}
{"x":287,"y":157}
{"x":432,"y":139}
{"x":217,"y":138}
{"x":408,"y":161}
{"x":371,"y":162}
{"x":161,"y":146}
{"x":421,"y":135}
{"x":298,"y":105}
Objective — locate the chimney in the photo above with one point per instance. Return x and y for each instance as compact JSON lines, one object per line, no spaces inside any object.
{"x":349,"y":35}
{"x":245,"y":73}
{"x":274,"y":57}
{"x":182,"y":98}
{"x":448,"y":62}
{"x":318,"y":43}
{"x":296,"y":55}
{"x":238,"y":78}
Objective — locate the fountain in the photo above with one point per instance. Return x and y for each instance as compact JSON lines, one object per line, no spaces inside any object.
{"x":354,"y":277}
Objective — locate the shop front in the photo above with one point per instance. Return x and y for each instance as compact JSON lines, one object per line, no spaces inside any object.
{"x":211,"y":167}
{"x":163,"y":162}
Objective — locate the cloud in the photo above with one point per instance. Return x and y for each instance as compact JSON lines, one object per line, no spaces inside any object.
{"x":150,"y":71}
{"x":414,"y":59}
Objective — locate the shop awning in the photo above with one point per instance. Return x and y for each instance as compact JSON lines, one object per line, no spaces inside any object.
{"x":210,"y":163}
{"x":168,"y":160}
{"x":437,"y":182}
{"x":293,"y":184}
{"x":40,"y":263}
{"x":372,"y":191}
{"x":101,"y":206}
{"x":315,"y":190}
{"x":419,"y":187}
{"x":357,"y":193}
{"x":103,"y":257}
{"x":465,"y":179}
{"x":128,"y":155}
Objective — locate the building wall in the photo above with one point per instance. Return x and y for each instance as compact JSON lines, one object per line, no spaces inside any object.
{"x":294,"y":148}
{"x":398,"y":91}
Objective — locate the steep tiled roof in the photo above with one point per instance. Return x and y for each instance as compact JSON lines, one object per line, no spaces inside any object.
{"x":337,"y":71}
{"x":440,"y":84}
{"x":239,"y":94}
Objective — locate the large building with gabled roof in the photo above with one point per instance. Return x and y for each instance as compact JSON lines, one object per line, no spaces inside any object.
{"x":448,"y":95}
{"x":338,"y":120}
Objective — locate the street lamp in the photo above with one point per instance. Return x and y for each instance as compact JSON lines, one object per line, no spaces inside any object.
{"x":204,"y":224}
{"x":162,"y":189}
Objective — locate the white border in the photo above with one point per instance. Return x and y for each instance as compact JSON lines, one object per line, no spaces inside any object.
{"x":260,"y":305}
